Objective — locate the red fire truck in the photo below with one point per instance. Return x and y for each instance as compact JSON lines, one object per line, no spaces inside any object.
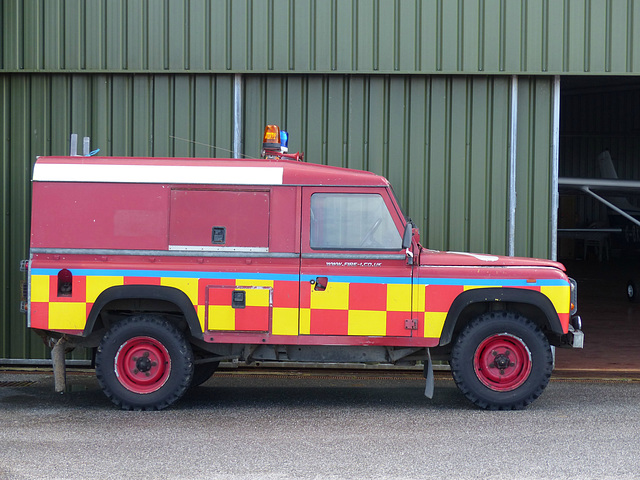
{"x":167,"y":266}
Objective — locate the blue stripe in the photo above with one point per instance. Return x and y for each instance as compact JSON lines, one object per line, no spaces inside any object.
{"x":479,"y":282}
{"x":305,"y":278}
{"x":169,"y":274}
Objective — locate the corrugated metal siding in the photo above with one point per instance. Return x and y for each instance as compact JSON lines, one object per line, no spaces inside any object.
{"x":429,"y":135}
{"x":533,"y":183}
{"x":136,"y":115}
{"x":17,"y":138}
{"x":443,"y":141}
{"x":303,"y":36}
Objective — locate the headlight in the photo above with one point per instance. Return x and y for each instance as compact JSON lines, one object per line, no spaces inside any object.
{"x":574,"y":297}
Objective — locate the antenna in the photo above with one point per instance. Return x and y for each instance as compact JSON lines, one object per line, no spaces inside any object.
{"x":86,"y":149}
{"x":73,"y":146}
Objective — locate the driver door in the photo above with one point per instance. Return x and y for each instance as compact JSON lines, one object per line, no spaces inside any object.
{"x":355,"y":281}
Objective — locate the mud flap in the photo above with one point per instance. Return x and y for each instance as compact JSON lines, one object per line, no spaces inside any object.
{"x":59,"y":366}
{"x":428,"y":374}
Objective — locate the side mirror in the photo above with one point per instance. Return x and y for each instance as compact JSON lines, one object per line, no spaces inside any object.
{"x":408,"y":234}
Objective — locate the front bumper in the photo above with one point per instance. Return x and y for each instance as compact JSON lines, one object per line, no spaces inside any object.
{"x":574,"y":338}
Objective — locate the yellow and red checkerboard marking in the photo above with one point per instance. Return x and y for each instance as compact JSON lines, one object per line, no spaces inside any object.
{"x":364,"y":309}
{"x":53,"y":312}
{"x":221,"y":315}
{"x":360,"y":309}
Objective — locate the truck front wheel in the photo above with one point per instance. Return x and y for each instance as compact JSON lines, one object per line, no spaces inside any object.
{"x":501,"y":361}
{"x":144,"y":363}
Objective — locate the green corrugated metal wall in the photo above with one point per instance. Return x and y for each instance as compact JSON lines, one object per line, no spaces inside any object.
{"x":322,"y":36}
{"x":534,"y":170}
{"x":443,"y":141}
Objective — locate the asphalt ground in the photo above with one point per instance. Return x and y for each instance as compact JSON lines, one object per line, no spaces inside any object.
{"x":318,"y":424}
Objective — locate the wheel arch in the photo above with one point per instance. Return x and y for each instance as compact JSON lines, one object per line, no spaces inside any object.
{"x":142,"y":298}
{"x":533,"y":304}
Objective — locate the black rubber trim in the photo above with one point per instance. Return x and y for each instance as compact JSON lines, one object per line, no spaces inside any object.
{"x":490,"y":295}
{"x":146,"y":292}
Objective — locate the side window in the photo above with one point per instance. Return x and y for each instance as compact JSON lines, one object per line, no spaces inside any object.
{"x":352,"y":221}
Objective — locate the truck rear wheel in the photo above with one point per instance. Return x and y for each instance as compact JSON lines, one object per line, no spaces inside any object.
{"x":144,"y":363}
{"x":501,"y":361}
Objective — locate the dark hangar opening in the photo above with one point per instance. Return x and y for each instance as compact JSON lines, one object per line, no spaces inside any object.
{"x":600,"y":143}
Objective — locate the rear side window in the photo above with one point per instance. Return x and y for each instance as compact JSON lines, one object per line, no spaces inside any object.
{"x":352,"y":221}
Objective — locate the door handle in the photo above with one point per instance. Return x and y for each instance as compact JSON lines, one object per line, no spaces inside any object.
{"x":320,"y":284}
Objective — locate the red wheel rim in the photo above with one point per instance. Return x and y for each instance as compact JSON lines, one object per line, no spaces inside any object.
{"x":502,"y":362}
{"x":142,"y":364}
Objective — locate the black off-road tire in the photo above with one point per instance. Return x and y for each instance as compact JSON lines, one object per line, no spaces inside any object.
{"x":501,"y":361}
{"x":144,"y":363}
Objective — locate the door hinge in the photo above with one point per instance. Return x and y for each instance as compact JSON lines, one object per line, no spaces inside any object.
{"x":411,"y":324}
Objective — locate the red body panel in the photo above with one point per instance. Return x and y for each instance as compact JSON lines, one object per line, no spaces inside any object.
{"x":458,"y":259}
{"x":99,"y":215}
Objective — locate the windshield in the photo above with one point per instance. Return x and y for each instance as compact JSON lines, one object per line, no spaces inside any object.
{"x":397,"y":202}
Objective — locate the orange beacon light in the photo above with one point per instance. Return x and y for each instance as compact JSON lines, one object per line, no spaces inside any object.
{"x":271,"y":139}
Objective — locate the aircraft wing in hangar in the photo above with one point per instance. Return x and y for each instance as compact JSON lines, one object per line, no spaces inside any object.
{"x":603,"y":190}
